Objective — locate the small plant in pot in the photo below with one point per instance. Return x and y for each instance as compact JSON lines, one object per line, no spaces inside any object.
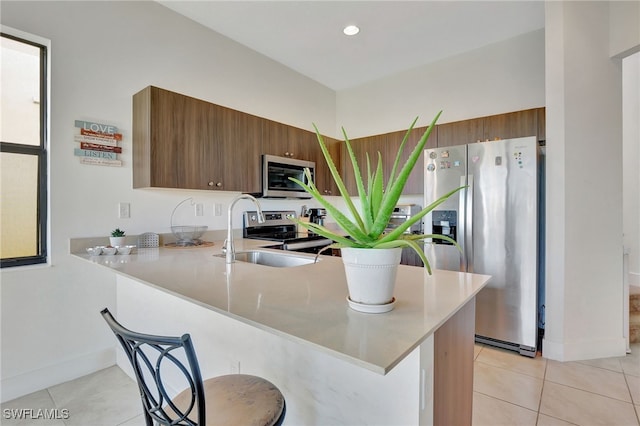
{"x":371,"y":256}
{"x":117,"y":238}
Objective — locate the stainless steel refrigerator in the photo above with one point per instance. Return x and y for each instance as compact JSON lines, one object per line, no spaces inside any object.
{"x":495,"y":222}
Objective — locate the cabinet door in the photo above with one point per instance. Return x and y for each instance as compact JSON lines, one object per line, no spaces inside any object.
{"x":542,"y":124}
{"x":275,"y":139}
{"x":415,"y":183}
{"x":302,"y":144}
{"x":362,"y":147}
{"x":180,"y":148}
{"x":460,"y":132}
{"x":239,"y":147}
{"x":324,"y":181}
{"x":511,"y":125}
{"x":141,"y":135}
{"x":286,"y":141}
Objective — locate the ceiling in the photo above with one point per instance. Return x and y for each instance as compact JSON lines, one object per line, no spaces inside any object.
{"x":306,"y":36}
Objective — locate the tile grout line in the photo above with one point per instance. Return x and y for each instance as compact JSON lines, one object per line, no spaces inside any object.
{"x":128,"y":420}
{"x":624,"y":375}
{"x":513,"y":371}
{"x":544,"y":381}
{"x":594,"y":393}
{"x":55,"y":405}
{"x":632,"y":401}
{"x":475,"y":358}
{"x":582,"y":362}
{"x":506,"y":402}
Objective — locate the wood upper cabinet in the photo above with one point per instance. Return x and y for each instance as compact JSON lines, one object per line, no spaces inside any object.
{"x":168,"y":134}
{"x":542,"y":124}
{"x":324,"y":181}
{"x":415,"y":183}
{"x":240,"y":144}
{"x":184,"y":142}
{"x":286,"y":141}
{"x":460,"y":132}
{"x":516,"y":124}
{"x":370,"y":145}
{"x":388,"y":145}
{"x":511,"y":125}
{"x":187,"y":143}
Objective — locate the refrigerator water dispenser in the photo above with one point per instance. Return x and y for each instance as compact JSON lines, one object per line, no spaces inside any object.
{"x":444,"y":222}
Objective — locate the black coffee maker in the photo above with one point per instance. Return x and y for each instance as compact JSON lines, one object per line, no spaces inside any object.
{"x":317,"y":215}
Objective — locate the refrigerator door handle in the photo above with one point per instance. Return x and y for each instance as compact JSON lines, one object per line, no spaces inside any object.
{"x":462,"y":225}
{"x":468,"y":224}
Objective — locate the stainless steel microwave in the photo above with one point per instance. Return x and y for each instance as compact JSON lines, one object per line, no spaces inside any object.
{"x":276,"y":172}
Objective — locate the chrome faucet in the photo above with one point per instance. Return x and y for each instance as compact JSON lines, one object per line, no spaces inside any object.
{"x":228,"y":248}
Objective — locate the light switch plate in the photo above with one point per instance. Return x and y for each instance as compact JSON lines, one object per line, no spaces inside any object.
{"x":124,"y":210}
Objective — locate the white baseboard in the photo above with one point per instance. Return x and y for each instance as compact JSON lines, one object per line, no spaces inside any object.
{"x":591,"y":349}
{"x":32,"y":381}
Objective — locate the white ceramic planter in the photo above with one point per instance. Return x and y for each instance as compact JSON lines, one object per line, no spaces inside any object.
{"x":371,"y":277}
{"x":116,"y":241}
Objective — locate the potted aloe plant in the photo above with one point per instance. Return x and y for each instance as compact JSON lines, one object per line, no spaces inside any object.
{"x":371,"y":256}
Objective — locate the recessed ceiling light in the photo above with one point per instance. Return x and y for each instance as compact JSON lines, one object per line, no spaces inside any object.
{"x":351,"y":30}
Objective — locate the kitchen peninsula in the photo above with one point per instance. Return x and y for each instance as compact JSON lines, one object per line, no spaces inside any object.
{"x":293,"y":326}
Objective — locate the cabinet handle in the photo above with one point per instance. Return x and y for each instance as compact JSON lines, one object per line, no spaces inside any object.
{"x":210,"y":184}
{"x":218,"y":184}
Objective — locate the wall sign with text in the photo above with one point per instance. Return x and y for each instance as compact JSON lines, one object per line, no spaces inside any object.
{"x":98,"y":144}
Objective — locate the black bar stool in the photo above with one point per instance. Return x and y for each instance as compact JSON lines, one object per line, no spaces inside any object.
{"x":235,"y":399}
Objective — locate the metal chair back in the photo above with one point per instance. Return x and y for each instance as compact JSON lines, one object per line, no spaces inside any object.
{"x":151,"y":356}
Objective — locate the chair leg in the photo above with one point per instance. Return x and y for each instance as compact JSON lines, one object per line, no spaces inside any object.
{"x":147,"y":418}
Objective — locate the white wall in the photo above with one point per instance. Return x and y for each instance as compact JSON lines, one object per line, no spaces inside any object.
{"x":631,"y":163}
{"x":584,"y":185}
{"x":102,"y":53}
{"x":624,"y":28}
{"x":503,"y":77}
{"x":624,"y":21}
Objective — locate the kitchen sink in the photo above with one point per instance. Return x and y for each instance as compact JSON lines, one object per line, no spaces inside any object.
{"x":267,"y":258}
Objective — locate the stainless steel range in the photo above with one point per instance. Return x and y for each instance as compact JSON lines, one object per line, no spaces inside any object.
{"x":279,"y":228}
{"x":401,"y":214}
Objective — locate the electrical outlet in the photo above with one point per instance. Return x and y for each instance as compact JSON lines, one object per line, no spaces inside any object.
{"x":217,"y":208}
{"x":199,"y":209}
{"x":124,"y":210}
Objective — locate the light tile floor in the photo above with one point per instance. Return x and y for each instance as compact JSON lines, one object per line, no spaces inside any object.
{"x":509,"y":389}
{"x":513,"y":390}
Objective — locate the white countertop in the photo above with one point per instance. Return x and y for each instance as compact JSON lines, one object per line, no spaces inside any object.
{"x":306,"y":304}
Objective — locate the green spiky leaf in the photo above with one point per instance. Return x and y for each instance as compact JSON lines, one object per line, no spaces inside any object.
{"x":377,"y":200}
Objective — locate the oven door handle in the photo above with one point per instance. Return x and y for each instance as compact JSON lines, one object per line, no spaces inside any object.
{"x":307,"y":244}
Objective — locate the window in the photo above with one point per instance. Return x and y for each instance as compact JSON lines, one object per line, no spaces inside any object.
{"x":23,"y":151}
